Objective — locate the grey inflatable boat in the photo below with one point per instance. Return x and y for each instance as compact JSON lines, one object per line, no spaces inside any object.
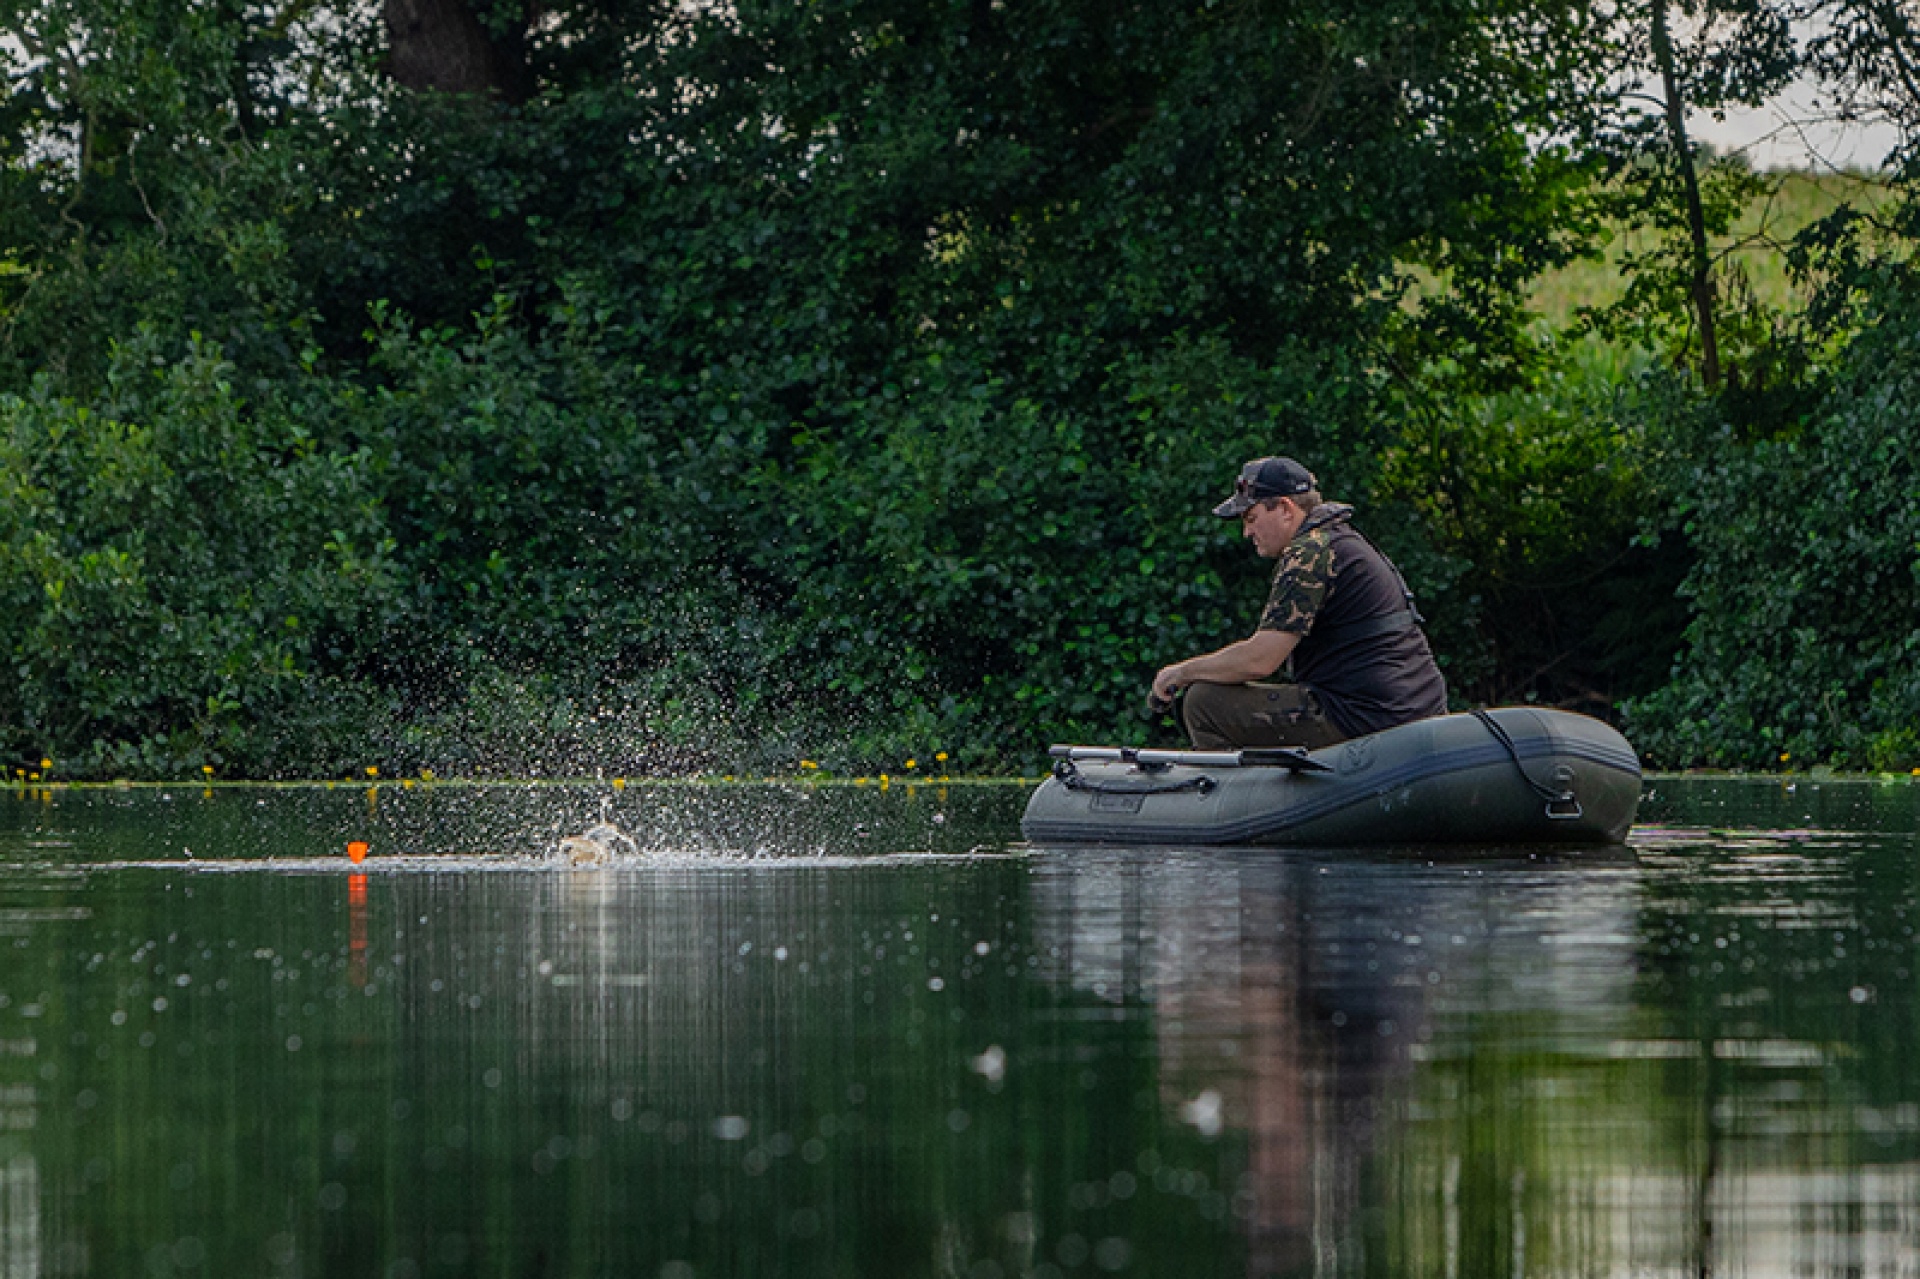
{"x":1515,"y":775}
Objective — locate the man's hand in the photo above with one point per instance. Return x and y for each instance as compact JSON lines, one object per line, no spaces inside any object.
{"x":1256,"y":657}
{"x":1169,"y":681}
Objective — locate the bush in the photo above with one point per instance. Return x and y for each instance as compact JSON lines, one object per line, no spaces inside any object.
{"x":173,"y":563}
{"x":1536,"y":577}
{"x":1803,"y":645}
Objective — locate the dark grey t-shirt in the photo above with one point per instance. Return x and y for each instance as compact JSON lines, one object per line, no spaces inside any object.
{"x":1329,"y":587}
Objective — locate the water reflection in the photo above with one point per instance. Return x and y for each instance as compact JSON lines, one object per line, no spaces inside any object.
{"x":1340,"y":1016}
{"x":294,"y":824}
{"x":1696,"y":1055}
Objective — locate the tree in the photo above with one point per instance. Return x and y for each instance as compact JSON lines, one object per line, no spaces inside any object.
{"x":1732,"y":53}
{"x":446,"y":46}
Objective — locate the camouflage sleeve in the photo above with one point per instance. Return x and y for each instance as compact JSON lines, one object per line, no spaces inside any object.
{"x":1300,"y":583}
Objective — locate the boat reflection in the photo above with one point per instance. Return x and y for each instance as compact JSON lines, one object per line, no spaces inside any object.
{"x":1404,"y":1048}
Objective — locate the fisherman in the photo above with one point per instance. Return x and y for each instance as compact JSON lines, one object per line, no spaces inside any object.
{"x":1338,"y":612}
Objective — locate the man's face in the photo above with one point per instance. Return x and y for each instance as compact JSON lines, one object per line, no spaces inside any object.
{"x":1270,"y":525}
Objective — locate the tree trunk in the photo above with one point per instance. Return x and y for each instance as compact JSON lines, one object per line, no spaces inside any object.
{"x":1700,"y":285}
{"x":442,"y":46}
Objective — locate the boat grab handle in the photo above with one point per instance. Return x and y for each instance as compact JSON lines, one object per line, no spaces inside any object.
{"x":1562,"y":806}
{"x":1071,"y":779}
{"x":1291,"y":758}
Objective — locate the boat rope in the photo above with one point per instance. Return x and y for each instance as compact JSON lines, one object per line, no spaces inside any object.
{"x":1071,"y":778}
{"x":1562,"y":799}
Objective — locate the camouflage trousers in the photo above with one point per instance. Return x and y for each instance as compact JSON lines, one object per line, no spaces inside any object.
{"x":1224,"y":717}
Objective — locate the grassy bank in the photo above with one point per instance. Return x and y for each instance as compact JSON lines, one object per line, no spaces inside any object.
{"x":1753,"y":253}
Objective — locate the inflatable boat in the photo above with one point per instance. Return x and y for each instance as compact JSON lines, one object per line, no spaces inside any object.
{"x":1515,"y":775}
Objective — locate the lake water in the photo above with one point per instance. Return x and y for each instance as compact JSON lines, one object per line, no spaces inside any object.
{"x":839,"y":1031}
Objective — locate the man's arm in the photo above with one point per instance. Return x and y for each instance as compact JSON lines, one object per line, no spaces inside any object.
{"x":1256,"y":657}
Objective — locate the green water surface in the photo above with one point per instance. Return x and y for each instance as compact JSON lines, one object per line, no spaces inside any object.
{"x":833,"y":1031}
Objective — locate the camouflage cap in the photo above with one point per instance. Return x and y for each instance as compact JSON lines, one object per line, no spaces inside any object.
{"x":1263,"y":478}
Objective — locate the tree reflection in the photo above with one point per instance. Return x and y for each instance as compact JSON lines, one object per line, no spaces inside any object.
{"x":1387,"y":1039}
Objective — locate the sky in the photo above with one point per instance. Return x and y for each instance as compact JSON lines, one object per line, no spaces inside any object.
{"x":1791,"y":134}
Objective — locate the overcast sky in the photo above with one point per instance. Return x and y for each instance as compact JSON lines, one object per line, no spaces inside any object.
{"x":1773,"y":140}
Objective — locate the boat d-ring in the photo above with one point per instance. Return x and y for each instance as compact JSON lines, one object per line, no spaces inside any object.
{"x":1564,"y":808}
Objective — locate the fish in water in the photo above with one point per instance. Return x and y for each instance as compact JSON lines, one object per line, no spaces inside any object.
{"x":601,"y":843}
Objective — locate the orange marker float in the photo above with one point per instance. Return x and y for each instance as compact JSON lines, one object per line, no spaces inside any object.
{"x":357,"y":924}
{"x":357,"y":851}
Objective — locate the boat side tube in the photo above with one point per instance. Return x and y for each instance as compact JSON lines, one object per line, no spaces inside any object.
{"x":1515,"y":775}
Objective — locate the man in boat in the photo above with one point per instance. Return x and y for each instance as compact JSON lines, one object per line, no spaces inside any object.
{"x":1338,"y":612}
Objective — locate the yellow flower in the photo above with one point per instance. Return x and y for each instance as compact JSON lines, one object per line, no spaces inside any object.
{"x":808,"y":764}
{"x":426,"y":774}
{"x":207,"y":769}
{"x":940,"y":757}
{"x":406,"y":783}
{"x":372,"y":771}
{"x":619,"y":783}
{"x":909,"y":763}
{"x":1785,"y":756}
{"x":46,"y":764}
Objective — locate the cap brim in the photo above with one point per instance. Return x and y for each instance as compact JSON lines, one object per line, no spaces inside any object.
{"x":1234,"y":507}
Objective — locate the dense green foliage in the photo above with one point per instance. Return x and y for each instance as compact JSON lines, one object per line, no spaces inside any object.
{"x":845,"y":381}
{"x":1804,"y":642}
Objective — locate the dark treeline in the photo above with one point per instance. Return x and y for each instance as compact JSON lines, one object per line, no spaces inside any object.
{"x":489,"y":386}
